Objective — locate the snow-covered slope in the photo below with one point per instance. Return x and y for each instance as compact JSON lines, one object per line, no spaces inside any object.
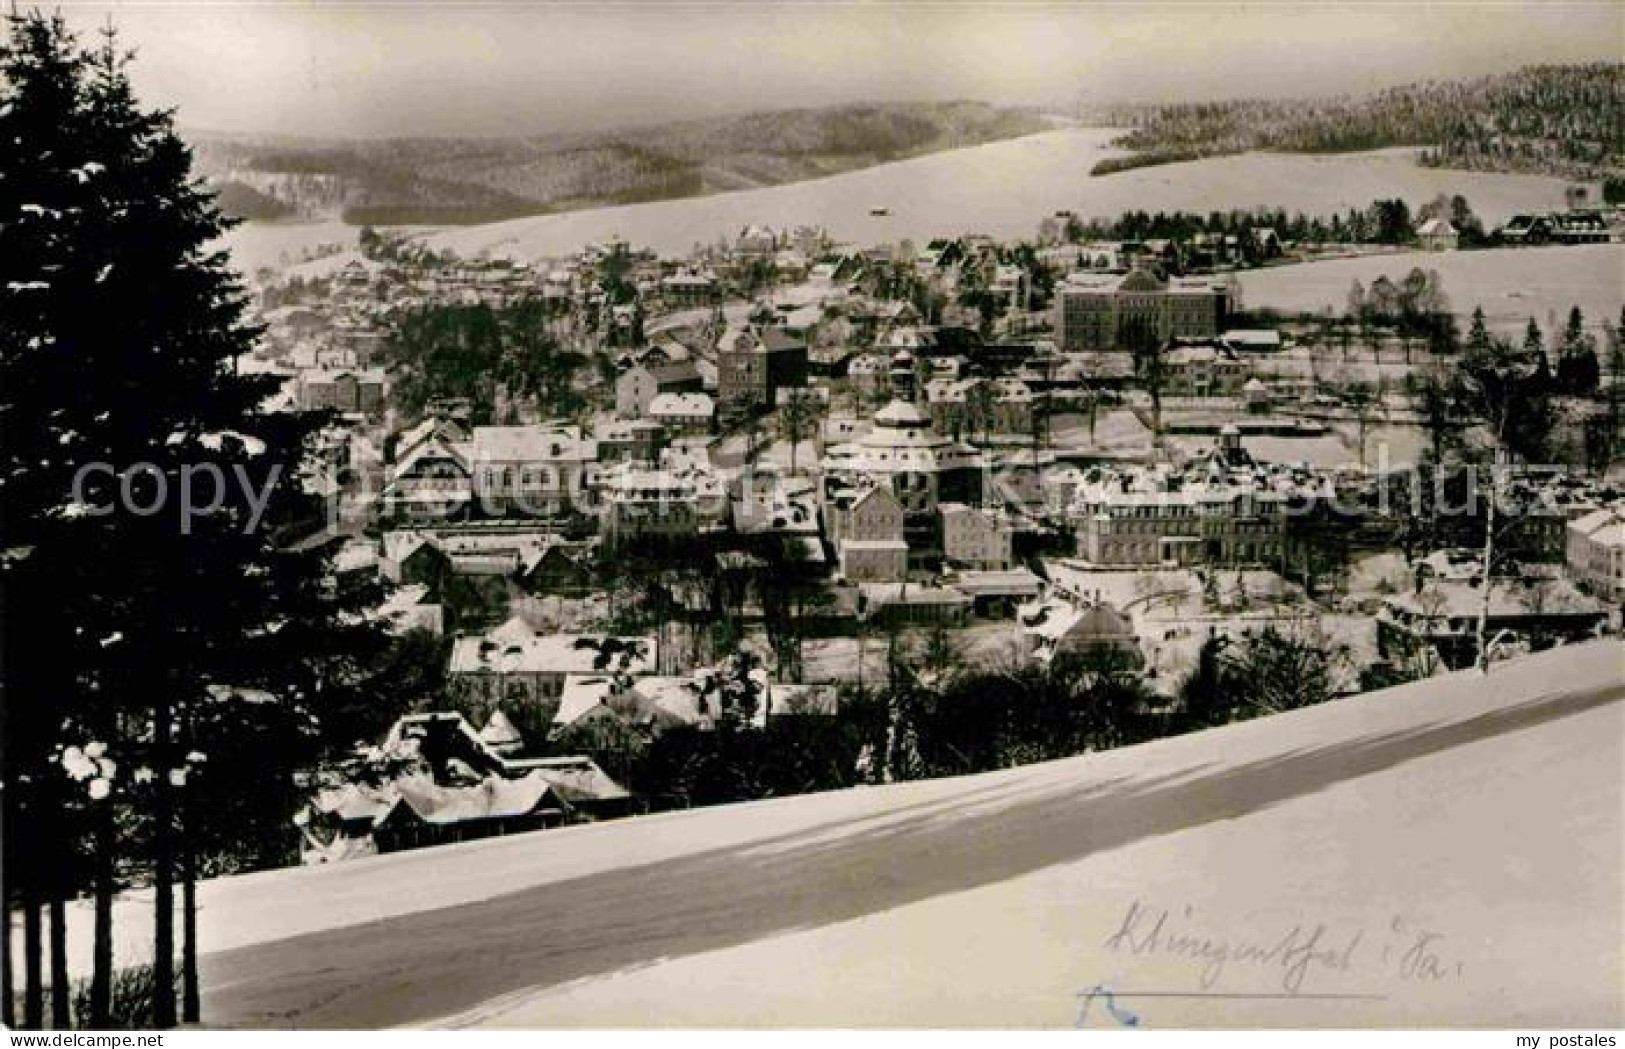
{"x":1479,"y":817}
{"x":1477,"y":886}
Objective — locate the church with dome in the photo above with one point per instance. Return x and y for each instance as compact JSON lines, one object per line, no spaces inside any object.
{"x":904,"y":452}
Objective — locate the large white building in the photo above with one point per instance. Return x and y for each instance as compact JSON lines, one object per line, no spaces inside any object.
{"x":1595,"y":552}
{"x":513,"y":665}
{"x":532,"y":470}
{"x":1221,"y":510}
{"x":904,"y":450}
{"x":1096,"y":311}
{"x":673,"y":499}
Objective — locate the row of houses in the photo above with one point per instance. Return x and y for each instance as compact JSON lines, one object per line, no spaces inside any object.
{"x":435,"y":780}
{"x":1557,"y":227}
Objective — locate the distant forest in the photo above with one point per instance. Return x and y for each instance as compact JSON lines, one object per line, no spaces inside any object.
{"x":246,"y":202}
{"x":1567,"y":121}
{"x":447,"y":181}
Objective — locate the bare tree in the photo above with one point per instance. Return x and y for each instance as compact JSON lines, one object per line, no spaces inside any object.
{"x":1503,"y":385}
{"x":1150,"y":366}
{"x":798,"y":419}
{"x":1363,"y":403}
{"x":982,"y":404}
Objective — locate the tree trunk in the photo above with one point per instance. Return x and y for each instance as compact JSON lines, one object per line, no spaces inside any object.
{"x":8,"y":1011}
{"x":101,"y":971}
{"x":191,"y":1009}
{"x":33,"y":986}
{"x":61,"y":992}
{"x":8,"y":878}
{"x":163,"y":872}
{"x":1488,"y":565}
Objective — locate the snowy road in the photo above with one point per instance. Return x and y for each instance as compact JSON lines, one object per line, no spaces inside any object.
{"x":1457,"y":845}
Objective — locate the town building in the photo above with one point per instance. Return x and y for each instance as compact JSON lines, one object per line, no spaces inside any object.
{"x":535,"y":470}
{"x":658,"y":370}
{"x":1525,"y":229}
{"x":1009,"y":284}
{"x":629,"y":440}
{"x":1102,"y":311}
{"x":756,"y":241}
{"x":765,"y":500}
{"x":1054,"y":626}
{"x":1443,"y":616}
{"x":514,"y":666}
{"x":1437,"y":234}
{"x":976,"y":538}
{"x":753,"y":364}
{"x":597,"y":710}
{"x":1220,"y":511}
{"x":869,"y":374}
{"x":1596,"y":553}
{"x":1252,"y":340}
{"x":537,"y":561}
{"x":344,"y":390}
{"x":981,"y":407}
{"x":690,"y":289}
{"x":914,"y":604}
{"x":431,"y":479}
{"x":1209,"y":369}
{"x":453,"y":785}
{"x":867,"y":514}
{"x":904,"y":450}
{"x":688,"y":414}
{"x":866,"y":527}
{"x":996,"y":593}
{"x":666,"y":501}
{"x":873,"y":560}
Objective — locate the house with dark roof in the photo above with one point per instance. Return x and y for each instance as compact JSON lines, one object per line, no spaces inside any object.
{"x":1526,"y":229}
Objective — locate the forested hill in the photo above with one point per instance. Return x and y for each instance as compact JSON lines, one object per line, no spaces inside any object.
{"x":1557,"y":120}
{"x":484,"y":179}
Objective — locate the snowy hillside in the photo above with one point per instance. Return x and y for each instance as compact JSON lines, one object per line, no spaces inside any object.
{"x":1388,"y":822}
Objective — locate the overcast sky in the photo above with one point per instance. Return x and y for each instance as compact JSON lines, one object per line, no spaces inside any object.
{"x":505,"y":68}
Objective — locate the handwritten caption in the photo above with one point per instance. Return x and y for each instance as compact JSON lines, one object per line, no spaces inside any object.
{"x":1303,"y":960}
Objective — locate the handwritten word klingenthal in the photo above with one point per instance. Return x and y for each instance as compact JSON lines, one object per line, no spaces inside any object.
{"x":1297,"y":952}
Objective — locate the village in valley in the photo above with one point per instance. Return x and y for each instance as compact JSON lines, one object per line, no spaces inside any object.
{"x":558,"y":516}
{"x":787,"y":514}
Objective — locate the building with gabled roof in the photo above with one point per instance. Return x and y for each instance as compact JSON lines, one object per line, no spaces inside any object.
{"x":1204,"y":369}
{"x":1054,"y":626}
{"x":1437,"y":234}
{"x":691,"y":288}
{"x":430,"y":479}
{"x":644,"y":379}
